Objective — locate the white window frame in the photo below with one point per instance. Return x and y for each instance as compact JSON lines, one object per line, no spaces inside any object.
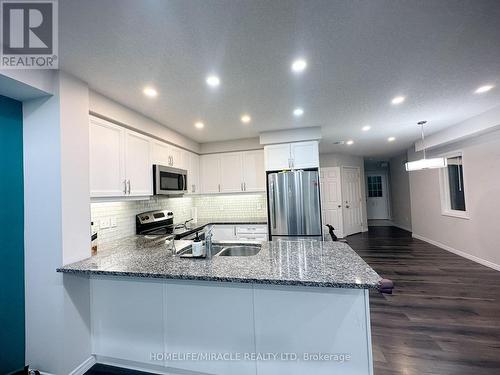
{"x":445,"y":188}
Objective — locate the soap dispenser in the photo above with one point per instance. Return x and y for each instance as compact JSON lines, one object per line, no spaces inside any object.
{"x":197,"y":246}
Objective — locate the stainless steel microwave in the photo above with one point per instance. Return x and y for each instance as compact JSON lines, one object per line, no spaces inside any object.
{"x":169,"y":181}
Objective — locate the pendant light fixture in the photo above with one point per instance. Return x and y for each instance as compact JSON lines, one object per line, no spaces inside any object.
{"x":425,"y":163}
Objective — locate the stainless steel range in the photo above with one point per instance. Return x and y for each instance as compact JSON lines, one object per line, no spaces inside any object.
{"x":155,"y":223}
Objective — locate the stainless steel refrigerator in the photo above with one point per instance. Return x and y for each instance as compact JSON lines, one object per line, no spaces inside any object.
{"x":294,"y":205}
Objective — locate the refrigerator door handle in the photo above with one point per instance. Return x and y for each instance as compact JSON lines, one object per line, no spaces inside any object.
{"x":273,"y":206}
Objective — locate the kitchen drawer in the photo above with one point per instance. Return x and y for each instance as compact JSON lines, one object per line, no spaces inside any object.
{"x":253,"y":237}
{"x":251,"y":229}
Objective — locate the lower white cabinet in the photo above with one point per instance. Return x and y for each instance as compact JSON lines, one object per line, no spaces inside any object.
{"x":223,"y":232}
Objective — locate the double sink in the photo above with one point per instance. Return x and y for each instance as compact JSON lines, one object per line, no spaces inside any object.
{"x":228,"y":249}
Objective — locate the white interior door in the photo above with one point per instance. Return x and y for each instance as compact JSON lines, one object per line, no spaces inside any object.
{"x":331,"y":200}
{"x":351,"y":198}
{"x":377,"y":196}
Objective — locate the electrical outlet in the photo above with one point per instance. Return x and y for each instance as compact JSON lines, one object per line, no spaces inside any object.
{"x":112,"y":222}
{"x":105,"y":223}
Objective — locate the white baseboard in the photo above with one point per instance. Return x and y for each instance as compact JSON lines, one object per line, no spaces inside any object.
{"x":474,"y":258}
{"x":84,"y":366}
{"x":139,"y":366}
{"x":401,"y":227}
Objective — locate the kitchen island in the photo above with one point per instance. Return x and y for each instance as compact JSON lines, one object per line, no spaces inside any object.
{"x":294,"y":308}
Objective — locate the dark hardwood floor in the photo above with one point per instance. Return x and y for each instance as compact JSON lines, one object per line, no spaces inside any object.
{"x":444,"y":315}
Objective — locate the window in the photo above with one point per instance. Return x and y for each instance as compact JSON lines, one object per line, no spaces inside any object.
{"x":452,"y":186}
{"x":374,"y":186}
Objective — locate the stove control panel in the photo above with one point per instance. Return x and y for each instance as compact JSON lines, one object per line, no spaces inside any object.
{"x":155,"y":216}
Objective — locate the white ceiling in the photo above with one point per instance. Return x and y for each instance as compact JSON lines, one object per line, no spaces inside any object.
{"x":360,"y":54}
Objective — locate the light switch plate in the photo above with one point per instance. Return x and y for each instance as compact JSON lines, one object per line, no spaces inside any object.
{"x":105,"y":223}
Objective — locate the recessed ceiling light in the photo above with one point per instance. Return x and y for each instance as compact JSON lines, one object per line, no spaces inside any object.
{"x":391,"y":139}
{"x":213,"y":81}
{"x":297,"y":112}
{"x":398,"y":100}
{"x":483,"y":89}
{"x":366,"y":128}
{"x":151,"y":92}
{"x":199,"y":125}
{"x":349,"y":142}
{"x":299,"y":65}
{"x":246,"y":119}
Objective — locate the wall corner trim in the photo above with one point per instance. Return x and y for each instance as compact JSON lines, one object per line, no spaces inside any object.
{"x":484,"y":262}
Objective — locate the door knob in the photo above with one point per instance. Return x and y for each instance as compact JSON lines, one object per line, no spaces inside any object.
{"x":339,"y":206}
{"x":347,"y":206}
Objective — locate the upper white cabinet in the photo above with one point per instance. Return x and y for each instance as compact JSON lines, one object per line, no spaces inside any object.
{"x":120,"y":161}
{"x":193,"y":168}
{"x":297,"y":155}
{"x":107,"y":169}
{"x":138,"y":166}
{"x":254,"y":175}
{"x":210,"y":173}
{"x":168,"y":155}
{"x":233,"y":172}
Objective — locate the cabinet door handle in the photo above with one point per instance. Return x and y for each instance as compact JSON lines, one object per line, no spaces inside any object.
{"x":193,"y":189}
{"x":245,"y":186}
{"x":241,"y":186}
{"x":219,"y":188}
{"x":128,"y":182}
{"x":172,"y":158}
{"x":125,"y":185}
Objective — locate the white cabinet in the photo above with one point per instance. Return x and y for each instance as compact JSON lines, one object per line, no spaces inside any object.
{"x":222,"y":232}
{"x":138,"y":167}
{"x":120,"y":161}
{"x":297,"y":155}
{"x":277,"y":157}
{"x":304,"y":155}
{"x":210,"y":173}
{"x":193,"y":168}
{"x":107,"y":170}
{"x":233,"y":172}
{"x":168,"y":155}
{"x":254,"y":175}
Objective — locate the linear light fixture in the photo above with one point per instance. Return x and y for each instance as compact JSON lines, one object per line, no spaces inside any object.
{"x":425,"y":163}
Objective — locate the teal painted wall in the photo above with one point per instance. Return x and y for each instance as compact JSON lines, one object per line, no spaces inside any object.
{"x":12,"y":338}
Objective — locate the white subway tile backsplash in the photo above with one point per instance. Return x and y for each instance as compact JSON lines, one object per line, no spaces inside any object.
{"x":209,"y":207}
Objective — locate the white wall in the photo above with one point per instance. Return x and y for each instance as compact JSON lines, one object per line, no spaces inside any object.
{"x":400,"y":192}
{"x":342,"y":160}
{"x":57,"y":218}
{"x":477,"y":237}
{"x":244,"y":144}
{"x":107,"y":108}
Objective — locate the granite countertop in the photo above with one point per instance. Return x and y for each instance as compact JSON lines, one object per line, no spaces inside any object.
{"x":199,"y":225}
{"x":306,"y":263}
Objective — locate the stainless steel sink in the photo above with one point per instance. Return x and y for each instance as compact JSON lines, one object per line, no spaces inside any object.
{"x":239,"y":251}
{"x":227,"y":249}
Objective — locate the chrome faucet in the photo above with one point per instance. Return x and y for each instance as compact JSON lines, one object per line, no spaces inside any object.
{"x":171,"y":238}
{"x":208,"y":242}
